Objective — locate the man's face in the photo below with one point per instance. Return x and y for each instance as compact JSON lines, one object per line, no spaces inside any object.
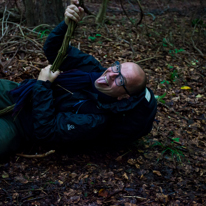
{"x":107,"y":85}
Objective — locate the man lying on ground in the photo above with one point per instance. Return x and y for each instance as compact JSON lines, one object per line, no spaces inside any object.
{"x":84,"y":103}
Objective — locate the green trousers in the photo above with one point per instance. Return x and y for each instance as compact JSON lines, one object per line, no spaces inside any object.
{"x":11,"y":132}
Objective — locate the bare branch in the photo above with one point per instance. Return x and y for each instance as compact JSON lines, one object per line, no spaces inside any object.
{"x":141,"y":13}
{"x":37,"y":155}
{"x":193,"y":43}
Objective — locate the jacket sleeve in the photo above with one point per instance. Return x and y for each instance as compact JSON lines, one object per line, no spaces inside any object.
{"x":75,"y":58}
{"x":62,"y":127}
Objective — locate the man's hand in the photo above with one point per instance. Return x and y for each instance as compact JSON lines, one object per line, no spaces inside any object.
{"x":47,"y":74}
{"x":73,"y":12}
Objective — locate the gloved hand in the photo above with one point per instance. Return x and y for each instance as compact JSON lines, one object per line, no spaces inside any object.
{"x":73,"y":12}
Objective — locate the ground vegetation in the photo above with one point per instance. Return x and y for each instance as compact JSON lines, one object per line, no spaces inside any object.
{"x":166,"y":167}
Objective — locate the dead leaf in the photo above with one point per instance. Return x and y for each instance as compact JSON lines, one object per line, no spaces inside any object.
{"x":73,"y":200}
{"x":125,"y":176}
{"x":137,"y":166}
{"x":185,"y":87}
{"x":199,"y":96}
{"x":175,"y":99}
{"x":15,"y":195}
{"x":119,"y":158}
{"x":131,"y":161}
{"x":73,"y":175}
{"x":86,"y":176}
{"x":140,"y":160}
{"x":21,"y":179}
{"x":5,"y":175}
{"x":157,"y":172}
{"x":60,"y":182}
{"x":102,"y":193}
{"x":162,"y":197}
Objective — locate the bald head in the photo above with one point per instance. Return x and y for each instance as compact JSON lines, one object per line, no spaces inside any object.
{"x":137,"y":81}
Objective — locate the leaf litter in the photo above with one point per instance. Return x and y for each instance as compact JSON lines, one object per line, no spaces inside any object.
{"x":166,"y":167}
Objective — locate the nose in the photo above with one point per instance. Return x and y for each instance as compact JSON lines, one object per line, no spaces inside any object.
{"x":112,"y":75}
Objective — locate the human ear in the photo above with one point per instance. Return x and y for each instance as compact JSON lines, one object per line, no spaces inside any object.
{"x":123,"y":96}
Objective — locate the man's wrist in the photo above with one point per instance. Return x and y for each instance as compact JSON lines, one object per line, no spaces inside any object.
{"x":46,"y":83}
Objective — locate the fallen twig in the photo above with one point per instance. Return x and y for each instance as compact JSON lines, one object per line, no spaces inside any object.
{"x":125,"y":12}
{"x":138,"y":197}
{"x":23,"y":27}
{"x":4,"y":33}
{"x":193,"y":43}
{"x":37,"y":198}
{"x":147,"y":59}
{"x":86,"y":10}
{"x":37,"y":155}
{"x":65,"y":89}
{"x":141,"y":13}
{"x":27,"y":62}
{"x":11,"y":59}
{"x":119,"y":158}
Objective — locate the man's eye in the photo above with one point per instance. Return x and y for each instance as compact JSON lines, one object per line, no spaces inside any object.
{"x":121,"y":81}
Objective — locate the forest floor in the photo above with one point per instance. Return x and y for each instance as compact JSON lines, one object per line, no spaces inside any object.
{"x":166,"y":167}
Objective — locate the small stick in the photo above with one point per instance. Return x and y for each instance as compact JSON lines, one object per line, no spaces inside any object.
{"x":37,"y":155}
{"x":37,"y":198}
{"x":138,"y":197}
{"x":21,"y":30}
{"x":22,"y":27}
{"x":38,"y":63}
{"x":147,"y":59}
{"x":193,"y":43}
{"x":141,"y":13}
{"x":11,"y":59}
{"x":64,"y":89}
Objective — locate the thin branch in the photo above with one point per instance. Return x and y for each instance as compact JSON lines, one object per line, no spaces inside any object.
{"x":38,"y":63}
{"x":64,"y":89}
{"x":86,"y":10}
{"x":90,"y":16}
{"x":193,"y":43}
{"x":138,"y":197}
{"x":141,"y":13}
{"x":125,"y":12}
{"x":147,"y":59}
{"x":21,"y":30}
{"x":37,"y":155}
{"x":41,"y":25}
{"x":9,"y":42}
{"x":11,"y":59}
{"x":4,"y":33}
{"x":33,"y":41}
{"x":37,"y":198}
{"x":24,"y":27}
{"x":3,"y":19}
